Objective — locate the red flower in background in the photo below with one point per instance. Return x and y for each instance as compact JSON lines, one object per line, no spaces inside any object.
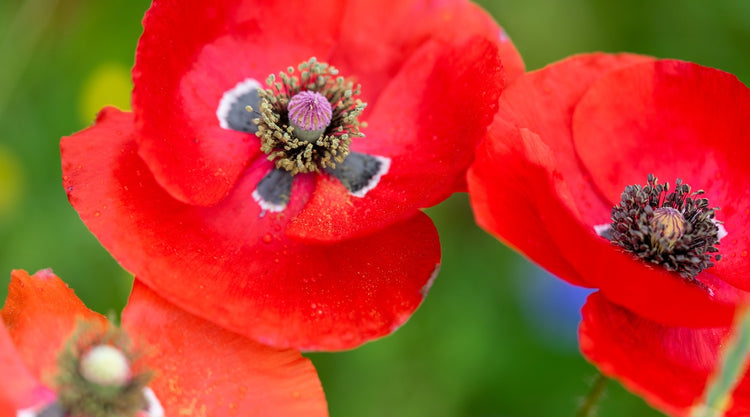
{"x":265,"y":211}
{"x":570,"y":138}
{"x":564,"y":176}
{"x":198,"y":369}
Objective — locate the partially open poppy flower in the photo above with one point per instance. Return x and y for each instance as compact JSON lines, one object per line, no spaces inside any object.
{"x":573,"y":175}
{"x":271,"y":175}
{"x":59,"y":358}
{"x":668,"y":366}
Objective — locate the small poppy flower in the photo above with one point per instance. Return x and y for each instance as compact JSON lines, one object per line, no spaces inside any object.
{"x":628,"y":174}
{"x":271,"y":175}
{"x":668,"y":366}
{"x":59,"y":358}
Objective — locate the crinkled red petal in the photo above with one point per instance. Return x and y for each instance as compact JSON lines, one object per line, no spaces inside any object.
{"x":40,"y":314}
{"x":244,"y":376}
{"x":504,"y":182}
{"x":379,"y":37}
{"x":188,"y":57}
{"x":528,"y":155}
{"x":668,"y":366}
{"x":427,"y":121}
{"x":232,"y":264}
{"x":539,"y":108}
{"x":375,"y":59}
{"x":675,"y":120}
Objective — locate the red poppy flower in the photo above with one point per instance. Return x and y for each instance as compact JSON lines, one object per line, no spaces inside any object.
{"x":668,"y":366}
{"x":198,"y":369}
{"x":571,"y":152}
{"x":265,"y":210}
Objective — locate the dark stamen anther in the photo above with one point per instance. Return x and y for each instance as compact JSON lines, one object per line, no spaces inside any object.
{"x":676,"y":230}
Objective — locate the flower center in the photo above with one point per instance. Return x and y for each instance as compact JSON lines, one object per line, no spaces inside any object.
{"x":307,"y":118}
{"x":676,"y":230}
{"x":105,"y":365}
{"x":98,"y":375}
{"x":309,"y":115}
{"x":669,"y":226}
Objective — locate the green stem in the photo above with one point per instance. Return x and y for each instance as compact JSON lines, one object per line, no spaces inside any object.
{"x":731,"y":368}
{"x":592,"y":399}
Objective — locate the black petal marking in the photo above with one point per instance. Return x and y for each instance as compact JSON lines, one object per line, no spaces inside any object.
{"x":603,"y":230}
{"x":50,"y":410}
{"x":360,"y":173}
{"x":232,"y":112}
{"x":53,"y":410}
{"x":273,"y":191}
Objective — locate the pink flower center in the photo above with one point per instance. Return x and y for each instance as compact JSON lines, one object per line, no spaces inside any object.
{"x":309,"y":113}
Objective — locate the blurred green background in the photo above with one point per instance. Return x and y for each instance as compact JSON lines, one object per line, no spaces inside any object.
{"x":496,"y":337}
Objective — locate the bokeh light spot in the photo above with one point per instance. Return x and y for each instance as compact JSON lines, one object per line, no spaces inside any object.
{"x":108,"y":85}
{"x":11,"y":183}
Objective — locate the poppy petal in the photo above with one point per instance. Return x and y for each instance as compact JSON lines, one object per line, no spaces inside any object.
{"x":40,"y":314}
{"x":245,"y":377}
{"x":233,"y":264}
{"x":19,"y":389}
{"x":667,"y":366}
{"x":675,"y":120}
{"x":181,"y":75}
{"x":506,"y":205}
{"x":427,"y":126}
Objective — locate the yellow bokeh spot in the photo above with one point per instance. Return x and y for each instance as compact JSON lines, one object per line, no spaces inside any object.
{"x":11,"y":182}
{"x":108,"y":85}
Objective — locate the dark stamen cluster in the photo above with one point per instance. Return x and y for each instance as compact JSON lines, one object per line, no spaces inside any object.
{"x":635,"y":229}
{"x":277,"y":136}
{"x":81,"y":397}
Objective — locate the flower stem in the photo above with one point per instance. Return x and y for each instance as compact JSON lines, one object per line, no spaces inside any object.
{"x":592,"y":398}
{"x":734,"y":361}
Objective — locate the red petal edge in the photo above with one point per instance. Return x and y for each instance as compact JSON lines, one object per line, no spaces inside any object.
{"x":230,"y":265}
{"x":667,"y":366}
{"x":40,"y":313}
{"x":528,"y":155}
{"x":191,"y":354}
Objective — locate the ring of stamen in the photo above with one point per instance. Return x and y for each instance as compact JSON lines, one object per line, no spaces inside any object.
{"x":286,"y":144}
{"x":85,"y":388}
{"x":676,"y":230}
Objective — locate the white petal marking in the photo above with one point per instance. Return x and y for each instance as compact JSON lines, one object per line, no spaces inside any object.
{"x":231,"y":96}
{"x":385,"y":165}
